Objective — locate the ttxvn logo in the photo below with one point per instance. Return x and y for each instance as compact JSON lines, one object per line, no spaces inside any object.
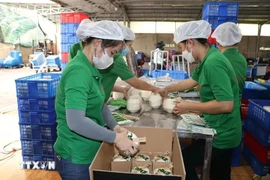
{"x":43,"y":165}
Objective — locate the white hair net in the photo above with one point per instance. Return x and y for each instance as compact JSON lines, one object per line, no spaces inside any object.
{"x":129,"y":35}
{"x":227,"y":34}
{"x":192,"y":30}
{"x":102,"y":29}
{"x":82,"y":26}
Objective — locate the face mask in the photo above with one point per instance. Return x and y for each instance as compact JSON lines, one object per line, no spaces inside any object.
{"x":188,"y":55}
{"x":104,"y":62}
{"x":124,"y":52}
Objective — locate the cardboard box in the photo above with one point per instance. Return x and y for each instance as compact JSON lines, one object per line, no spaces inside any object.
{"x":157,"y":140}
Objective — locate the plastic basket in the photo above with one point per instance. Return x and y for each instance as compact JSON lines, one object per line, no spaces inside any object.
{"x":258,"y":167}
{"x":41,"y":147}
{"x":260,"y":134}
{"x":42,"y":104}
{"x":256,"y":111}
{"x":48,"y":160}
{"x":65,"y":47}
{"x":179,"y":75}
{"x":35,"y":117}
{"x":267,"y":86}
{"x":253,"y":91}
{"x":220,"y":9}
{"x":73,"y":17}
{"x":38,"y":132}
{"x":64,"y":57}
{"x":215,"y":21}
{"x":42,"y":85}
{"x":257,"y":149}
{"x":69,"y":28}
{"x":70,"y":38}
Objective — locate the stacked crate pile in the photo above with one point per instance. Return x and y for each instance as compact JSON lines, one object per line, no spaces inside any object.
{"x":69,"y":24}
{"x":217,"y":13}
{"x":37,"y":117}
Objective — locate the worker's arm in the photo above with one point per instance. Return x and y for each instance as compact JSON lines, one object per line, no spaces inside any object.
{"x":140,"y":84}
{"x":210,"y":107}
{"x":182,"y":85}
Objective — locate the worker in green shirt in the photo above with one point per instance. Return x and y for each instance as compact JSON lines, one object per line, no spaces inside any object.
{"x":119,"y":67}
{"x":228,"y":35}
{"x":81,"y":112}
{"x":219,"y":104}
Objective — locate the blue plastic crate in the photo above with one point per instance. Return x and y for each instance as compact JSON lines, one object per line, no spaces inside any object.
{"x":65,"y":47}
{"x":33,"y":147}
{"x":53,"y":60}
{"x":69,"y":38}
{"x":258,"y":167}
{"x":220,"y":9}
{"x":48,"y":160}
{"x":38,"y":132}
{"x":215,"y":21}
{"x":249,"y":71}
{"x":256,"y":111}
{"x":263,"y":136}
{"x":179,"y":75}
{"x":63,"y":65}
{"x":42,"y":85}
{"x":69,"y":27}
{"x":35,"y":117}
{"x":253,"y":91}
{"x":267,"y":86}
{"x":40,"y":104}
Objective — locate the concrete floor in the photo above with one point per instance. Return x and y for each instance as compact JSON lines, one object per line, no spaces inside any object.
{"x":9,"y":131}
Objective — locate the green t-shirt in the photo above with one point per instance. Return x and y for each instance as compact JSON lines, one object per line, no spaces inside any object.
{"x":110,"y":75}
{"x":217,"y":81}
{"x":80,"y":88}
{"x":239,"y":65}
{"x":74,"y":49}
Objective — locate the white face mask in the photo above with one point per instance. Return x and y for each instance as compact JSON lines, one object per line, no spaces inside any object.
{"x":188,"y":55}
{"x":104,"y":62}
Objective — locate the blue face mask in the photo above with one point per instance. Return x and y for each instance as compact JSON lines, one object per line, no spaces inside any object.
{"x":124,"y":52}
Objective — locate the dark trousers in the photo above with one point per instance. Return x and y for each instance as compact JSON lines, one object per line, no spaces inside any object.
{"x":71,"y":171}
{"x":220,"y":162}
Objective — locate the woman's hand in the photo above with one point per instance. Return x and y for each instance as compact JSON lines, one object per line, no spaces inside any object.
{"x":179,"y":108}
{"x":119,"y":129}
{"x":162,"y":91}
{"x":125,"y":92}
{"x":125,"y":146}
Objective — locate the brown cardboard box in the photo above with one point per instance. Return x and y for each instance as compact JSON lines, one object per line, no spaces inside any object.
{"x":158,"y":140}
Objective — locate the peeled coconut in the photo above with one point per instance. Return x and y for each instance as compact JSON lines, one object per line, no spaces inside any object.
{"x":161,"y":158}
{"x":121,"y":158}
{"x":136,"y":96}
{"x":155,"y":101}
{"x":140,"y":170}
{"x":133,"y":105}
{"x":163,"y":171}
{"x":145,"y":95}
{"x":142,"y":157}
{"x":117,"y":95}
{"x":168,"y":105}
{"x":133,"y":91}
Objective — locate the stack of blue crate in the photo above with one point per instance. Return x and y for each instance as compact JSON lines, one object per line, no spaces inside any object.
{"x":37,"y":117}
{"x":217,"y":13}
{"x":69,"y":24}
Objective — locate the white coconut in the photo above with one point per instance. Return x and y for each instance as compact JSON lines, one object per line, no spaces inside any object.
{"x":117,"y":95}
{"x":121,"y":158}
{"x":142,"y":157}
{"x":161,"y":158}
{"x":145,"y":95}
{"x":133,"y":105}
{"x":155,"y":101}
{"x":168,"y":105}
{"x":133,"y":91}
{"x":140,"y":170}
{"x":163,"y":171}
